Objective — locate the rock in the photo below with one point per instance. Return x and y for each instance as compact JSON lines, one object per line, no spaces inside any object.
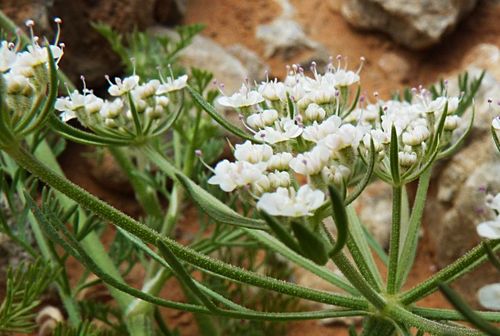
{"x":374,"y":210}
{"x":395,"y":66}
{"x":458,"y":203}
{"x":335,"y":5}
{"x":21,"y":10}
{"x":169,"y":12}
{"x":484,"y":56}
{"x":256,"y":67}
{"x":414,"y":24}
{"x":283,"y":36}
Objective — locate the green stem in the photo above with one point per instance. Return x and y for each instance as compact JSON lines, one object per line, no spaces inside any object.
{"x":466,"y":263}
{"x":145,"y":195}
{"x":453,"y":315}
{"x":143,"y":232}
{"x":394,"y":242}
{"x":410,"y":244}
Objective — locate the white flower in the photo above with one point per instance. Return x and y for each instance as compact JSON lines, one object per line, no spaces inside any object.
{"x":493,"y":202}
{"x":345,"y":78}
{"x":231,"y":175}
{"x":489,"y":229}
{"x":453,"y":103}
{"x":314,"y":112}
{"x":75,"y":102}
{"x":285,"y":129}
{"x":289,"y":203}
{"x":336,"y":174}
{"x":17,"y":84}
{"x":279,"y":161}
{"x":273,"y":90}
{"x":7,"y":56}
{"x":243,"y":98}
{"x":262,"y":119}
{"x":380,"y":139}
{"x":171,"y":85}
{"x":346,"y":136}
{"x":36,"y":55}
{"x":123,"y":86}
{"x":496,"y":123}
{"x":252,"y":153}
{"x":146,"y":90}
{"x":416,"y":136}
{"x":317,"y":132}
{"x":407,"y":159}
{"x":310,"y":163}
{"x":270,"y":182}
{"x":112,"y":109}
{"x":489,"y":296}
{"x":452,"y":122}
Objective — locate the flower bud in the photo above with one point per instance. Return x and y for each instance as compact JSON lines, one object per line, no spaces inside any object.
{"x":451,"y":122}
{"x":407,"y":159}
{"x":314,"y":112}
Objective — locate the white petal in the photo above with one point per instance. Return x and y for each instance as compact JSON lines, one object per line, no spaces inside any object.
{"x":489,"y":296}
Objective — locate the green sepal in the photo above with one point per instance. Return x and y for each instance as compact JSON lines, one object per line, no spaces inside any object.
{"x":394,"y":156}
{"x":341,"y":221}
{"x":215,"y":209}
{"x":281,"y":232}
{"x":218,"y":118}
{"x":312,"y":246}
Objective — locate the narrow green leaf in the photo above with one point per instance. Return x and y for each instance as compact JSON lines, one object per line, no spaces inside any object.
{"x":495,"y":261}
{"x":370,"y":165}
{"x":183,"y":276}
{"x":467,"y":312}
{"x":281,"y":232}
{"x":218,"y":118}
{"x":215,"y":208}
{"x":495,"y":138}
{"x":312,"y":246}
{"x":394,"y":156}
{"x":450,"y":151}
{"x":341,"y":221}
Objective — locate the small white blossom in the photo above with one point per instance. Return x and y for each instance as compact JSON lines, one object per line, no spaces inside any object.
{"x":335,"y":174}
{"x":416,"y":136}
{"x":243,"y":98}
{"x":273,"y":91}
{"x":284,"y":130}
{"x":112,"y":109}
{"x":172,"y":84}
{"x":489,"y":296}
{"x":123,"y":86}
{"x":452,"y":122}
{"x":231,"y":175}
{"x":380,"y":139}
{"x":7,"y":56}
{"x":262,"y":119}
{"x":252,"y":153}
{"x":407,"y":159}
{"x":317,"y":132}
{"x":314,"y":112}
{"x":310,"y":163}
{"x":279,"y":161}
{"x":289,"y":203}
{"x":345,"y":78}
{"x":496,"y":123}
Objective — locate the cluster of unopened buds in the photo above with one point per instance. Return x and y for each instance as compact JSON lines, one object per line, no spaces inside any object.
{"x":311,"y":132}
{"x":25,"y":76}
{"x":137,"y":110}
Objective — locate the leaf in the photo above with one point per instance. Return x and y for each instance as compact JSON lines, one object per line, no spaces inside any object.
{"x":215,"y":208}
{"x":281,"y":232}
{"x":394,"y":157}
{"x":341,"y":221}
{"x":218,"y":118}
{"x":312,"y":246}
{"x":366,"y":178}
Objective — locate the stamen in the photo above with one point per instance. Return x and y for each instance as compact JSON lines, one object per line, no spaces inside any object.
{"x":58,"y":22}
{"x":132,"y":60}
{"x":199,"y":154}
{"x":361,"y":64}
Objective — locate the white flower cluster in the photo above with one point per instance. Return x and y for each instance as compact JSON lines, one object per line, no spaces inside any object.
{"x":489,"y":295}
{"x":312,"y":134}
{"x":149,"y":101}
{"x":25,"y":72}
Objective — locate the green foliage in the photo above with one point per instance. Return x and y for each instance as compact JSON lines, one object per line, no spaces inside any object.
{"x":84,"y":329}
{"x":24,"y":286}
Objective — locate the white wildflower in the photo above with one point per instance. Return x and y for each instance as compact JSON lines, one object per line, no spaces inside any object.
{"x":279,"y":161}
{"x":310,"y":163}
{"x":316,"y":132}
{"x":273,"y":91}
{"x":289,"y":203}
{"x":243,"y":98}
{"x":489,"y":296}
{"x":452,"y":122}
{"x":284,"y":130}
{"x":123,"y":86}
{"x":262,"y":119}
{"x":416,"y":136}
{"x":335,"y":174}
{"x":231,"y":175}
{"x":314,"y":112}
{"x":495,"y":123}
{"x":253,"y":153}
{"x":172,"y":84}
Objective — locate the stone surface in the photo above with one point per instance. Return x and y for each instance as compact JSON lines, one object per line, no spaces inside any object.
{"x":395,"y":66}
{"x":255,"y":66}
{"x":456,"y":204}
{"x":415,"y":24}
